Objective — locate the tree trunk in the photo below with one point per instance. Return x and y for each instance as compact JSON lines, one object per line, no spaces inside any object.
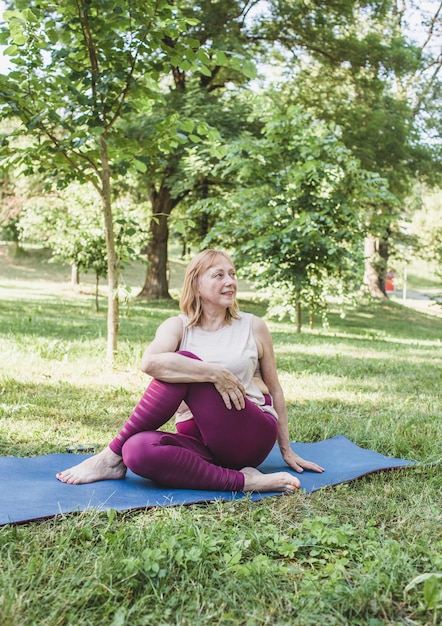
{"x":112,"y":261}
{"x":156,"y":285}
{"x":75,"y":275}
{"x":298,"y":313}
{"x":376,"y":256}
{"x":97,"y":280}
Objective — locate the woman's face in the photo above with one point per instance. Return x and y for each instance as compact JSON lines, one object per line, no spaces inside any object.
{"x":218,"y":284}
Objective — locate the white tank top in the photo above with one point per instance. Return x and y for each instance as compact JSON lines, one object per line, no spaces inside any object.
{"x":234,"y":347}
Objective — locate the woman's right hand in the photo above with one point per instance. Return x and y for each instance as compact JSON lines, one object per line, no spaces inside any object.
{"x":230,"y":389}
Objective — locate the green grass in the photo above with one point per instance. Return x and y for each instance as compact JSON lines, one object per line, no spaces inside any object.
{"x":340,"y":556}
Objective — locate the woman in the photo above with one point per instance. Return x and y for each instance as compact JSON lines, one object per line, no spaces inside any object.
{"x":214,"y":368}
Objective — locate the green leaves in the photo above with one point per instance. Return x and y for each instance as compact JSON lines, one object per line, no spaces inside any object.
{"x":83,"y":71}
{"x":431,"y":585}
{"x":18,"y":22}
{"x":243,"y":65}
{"x":140,"y":166}
{"x":295,"y":219}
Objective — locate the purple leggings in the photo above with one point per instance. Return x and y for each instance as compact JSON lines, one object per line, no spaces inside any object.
{"x":222,"y":441}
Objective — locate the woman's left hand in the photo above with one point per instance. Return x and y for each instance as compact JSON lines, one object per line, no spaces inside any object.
{"x":299,"y":464}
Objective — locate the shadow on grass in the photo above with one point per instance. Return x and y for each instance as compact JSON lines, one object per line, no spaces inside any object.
{"x":375,"y":320}
{"x":75,"y":318}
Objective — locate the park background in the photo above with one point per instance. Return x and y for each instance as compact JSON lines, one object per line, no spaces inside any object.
{"x":303,"y":137}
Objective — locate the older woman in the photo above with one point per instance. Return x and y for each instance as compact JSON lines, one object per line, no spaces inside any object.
{"x":213,"y":368}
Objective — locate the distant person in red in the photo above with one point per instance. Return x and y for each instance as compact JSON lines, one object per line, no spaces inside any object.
{"x":213,"y":368}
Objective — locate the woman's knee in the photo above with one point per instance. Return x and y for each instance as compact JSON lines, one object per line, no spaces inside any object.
{"x":137,"y":451}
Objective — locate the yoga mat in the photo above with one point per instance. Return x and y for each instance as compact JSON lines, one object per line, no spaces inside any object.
{"x":30,"y":491}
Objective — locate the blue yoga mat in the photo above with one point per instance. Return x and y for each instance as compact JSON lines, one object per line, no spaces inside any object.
{"x":30,"y":491}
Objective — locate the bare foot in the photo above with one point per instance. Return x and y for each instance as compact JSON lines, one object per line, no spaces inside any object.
{"x":254,"y":480}
{"x":106,"y":465}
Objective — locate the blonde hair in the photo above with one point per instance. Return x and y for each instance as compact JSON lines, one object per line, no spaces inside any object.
{"x":190,"y":302}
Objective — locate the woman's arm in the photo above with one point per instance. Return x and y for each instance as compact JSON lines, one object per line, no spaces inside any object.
{"x":160,"y":360}
{"x":269,"y":374}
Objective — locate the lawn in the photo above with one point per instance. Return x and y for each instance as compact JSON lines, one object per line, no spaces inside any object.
{"x":348,"y":555}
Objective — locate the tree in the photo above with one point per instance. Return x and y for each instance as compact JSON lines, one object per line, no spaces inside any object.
{"x":295,"y":221}
{"x":11,"y":205}
{"x":78,"y":69}
{"x":15,"y":191}
{"x":360,"y":65}
{"x":201,"y":105}
{"x":68,"y":221}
